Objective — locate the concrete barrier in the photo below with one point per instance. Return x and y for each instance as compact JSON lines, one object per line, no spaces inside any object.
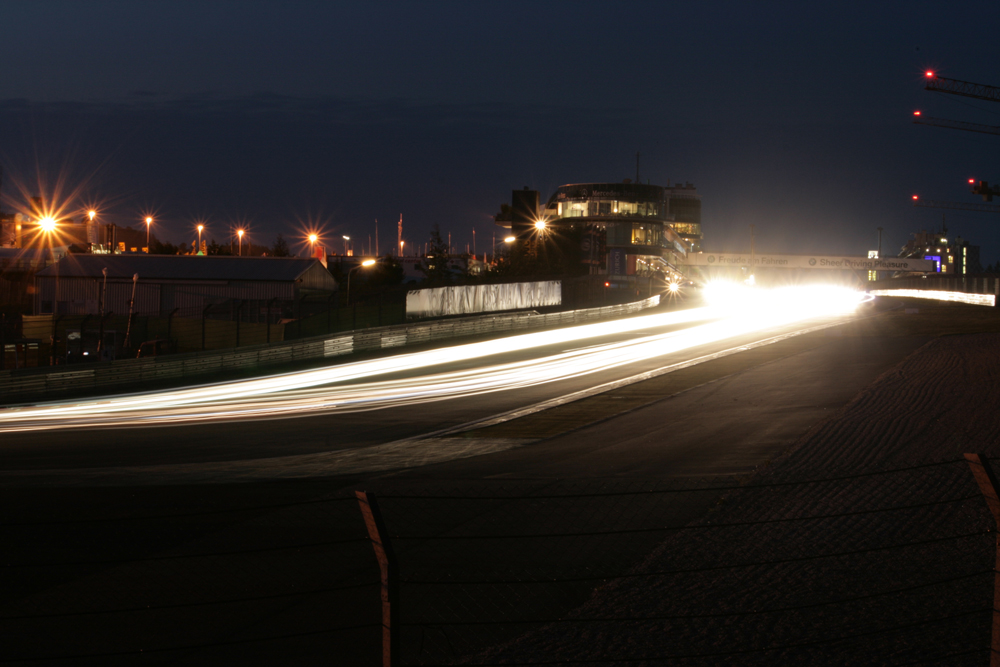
{"x":33,"y":384}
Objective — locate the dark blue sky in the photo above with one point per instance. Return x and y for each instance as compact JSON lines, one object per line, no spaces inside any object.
{"x":794,"y":117}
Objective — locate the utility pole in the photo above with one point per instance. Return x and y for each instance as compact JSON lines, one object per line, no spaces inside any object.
{"x":400,"y":235}
{"x":376,"y":237}
{"x":752,"y":257}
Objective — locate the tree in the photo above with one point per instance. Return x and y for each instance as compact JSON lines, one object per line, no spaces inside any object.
{"x":435,"y":266}
{"x":280,"y":247}
{"x":157,"y":247}
{"x":388,"y":272}
{"x":216,"y":249}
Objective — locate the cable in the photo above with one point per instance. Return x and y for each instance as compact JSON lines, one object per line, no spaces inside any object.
{"x":942,"y":657}
{"x":696,"y":527}
{"x":710,"y":569}
{"x":744,"y":652}
{"x":694,"y":490}
{"x":172,"y":516}
{"x":198,"y":646}
{"x":180,"y":556}
{"x":121,"y":610}
{"x":669,"y":617}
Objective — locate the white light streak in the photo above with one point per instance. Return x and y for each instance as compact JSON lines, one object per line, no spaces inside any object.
{"x":958,"y":297}
{"x":323,"y":391}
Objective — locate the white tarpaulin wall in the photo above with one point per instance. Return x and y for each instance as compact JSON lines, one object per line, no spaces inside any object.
{"x":482,"y":298}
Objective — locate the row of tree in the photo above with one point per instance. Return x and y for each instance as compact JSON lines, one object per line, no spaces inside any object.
{"x":279,"y":249}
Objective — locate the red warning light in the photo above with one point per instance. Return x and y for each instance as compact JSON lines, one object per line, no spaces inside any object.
{"x":916,"y":113}
{"x":607,"y":284}
{"x":914,"y":197}
{"x":929,"y":75}
{"x":972,"y":180}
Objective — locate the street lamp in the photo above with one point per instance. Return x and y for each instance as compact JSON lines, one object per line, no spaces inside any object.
{"x":239,"y":232}
{"x":201,"y":228}
{"x":367,"y":262}
{"x":346,"y":239}
{"x":149,"y":221}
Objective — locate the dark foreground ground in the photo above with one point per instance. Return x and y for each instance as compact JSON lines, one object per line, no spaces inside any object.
{"x":825,"y":521}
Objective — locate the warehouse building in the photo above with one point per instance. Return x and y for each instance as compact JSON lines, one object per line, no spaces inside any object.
{"x":252,"y":289}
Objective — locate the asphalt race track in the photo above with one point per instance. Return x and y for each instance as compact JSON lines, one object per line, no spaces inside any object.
{"x":95,"y":511}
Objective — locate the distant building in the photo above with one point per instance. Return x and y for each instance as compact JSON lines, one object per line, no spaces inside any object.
{"x":258,"y":288}
{"x":622,"y":228}
{"x":952,"y":257}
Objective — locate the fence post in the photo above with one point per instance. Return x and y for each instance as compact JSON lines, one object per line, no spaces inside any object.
{"x":170,"y":323}
{"x":390,"y":576}
{"x":270,"y":304}
{"x":83,"y":328}
{"x":238,"y":313}
{"x":987,"y":481}
{"x":204,"y":316}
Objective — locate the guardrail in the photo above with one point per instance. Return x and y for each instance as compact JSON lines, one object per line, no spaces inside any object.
{"x":26,"y":384}
{"x":938,"y":283}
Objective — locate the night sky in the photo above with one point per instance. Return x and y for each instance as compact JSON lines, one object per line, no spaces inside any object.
{"x":794,"y":117}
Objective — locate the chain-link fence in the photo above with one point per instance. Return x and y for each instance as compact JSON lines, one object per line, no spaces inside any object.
{"x":877,"y":566}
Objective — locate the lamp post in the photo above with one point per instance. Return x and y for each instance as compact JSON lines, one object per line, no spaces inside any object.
{"x":239,"y":232}
{"x":312,"y":244}
{"x":91,"y":214}
{"x":367,"y":262}
{"x":346,"y":239}
{"x":149,"y":221}
{"x":198,"y":249}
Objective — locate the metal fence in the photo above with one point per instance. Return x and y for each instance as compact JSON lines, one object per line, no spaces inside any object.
{"x":31,"y":383}
{"x":873,"y":566}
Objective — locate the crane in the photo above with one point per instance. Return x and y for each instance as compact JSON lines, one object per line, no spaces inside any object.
{"x":979,"y":91}
{"x":920,"y":119}
{"x":956,"y":205}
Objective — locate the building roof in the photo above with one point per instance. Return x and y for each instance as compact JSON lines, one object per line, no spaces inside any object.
{"x":32,"y":254}
{"x":183,"y":267}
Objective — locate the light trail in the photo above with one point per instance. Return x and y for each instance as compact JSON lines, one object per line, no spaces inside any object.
{"x":957,"y":297}
{"x":738,"y":312}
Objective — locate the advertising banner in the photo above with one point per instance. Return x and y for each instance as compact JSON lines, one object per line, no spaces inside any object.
{"x":468,"y":299}
{"x":736,"y":260}
{"x":616,"y":262}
